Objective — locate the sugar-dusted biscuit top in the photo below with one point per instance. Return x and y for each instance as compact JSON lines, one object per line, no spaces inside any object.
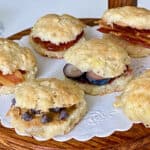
{"x":57,"y":28}
{"x":104,"y":58}
{"x":128,"y":16}
{"x":43,"y":94}
{"x":13,"y":57}
{"x":135,"y":100}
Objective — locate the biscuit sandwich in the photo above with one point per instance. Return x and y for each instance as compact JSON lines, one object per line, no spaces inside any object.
{"x":131,"y":25}
{"x":47,"y":107}
{"x":98,"y":67}
{"x":54,"y":34}
{"x":17,"y":64}
{"x":135,"y":100}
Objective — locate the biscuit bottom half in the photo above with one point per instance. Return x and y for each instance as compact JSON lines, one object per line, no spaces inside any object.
{"x":47,"y":130}
{"x":117,"y":85}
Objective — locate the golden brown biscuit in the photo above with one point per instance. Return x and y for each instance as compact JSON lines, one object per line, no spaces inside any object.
{"x":47,"y":107}
{"x":53,"y":34}
{"x":51,"y":129}
{"x":133,"y":50}
{"x":47,"y":93}
{"x":17,"y":64}
{"x":130,"y":24}
{"x":98,"y":66}
{"x":135,"y":100}
{"x":134,"y":17}
{"x":105,"y":59}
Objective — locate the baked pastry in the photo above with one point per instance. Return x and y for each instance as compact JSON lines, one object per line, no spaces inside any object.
{"x":17,"y":64}
{"x":53,"y":34}
{"x":47,"y":107}
{"x":97,"y":66}
{"x":135,"y":100}
{"x":131,"y":24}
{"x":132,"y":49}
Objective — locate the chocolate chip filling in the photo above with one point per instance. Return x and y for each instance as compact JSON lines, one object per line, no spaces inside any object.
{"x":34,"y":112}
{"x":27,"y":116}
{"x":57,"y":109}
{"x":54,"y":114}
{"x":45,"y":118}
{"x":63,"y":114}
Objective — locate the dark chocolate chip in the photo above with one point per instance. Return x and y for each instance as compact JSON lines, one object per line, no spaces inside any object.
{"x":63,"y":115}
{"x":57,"y":109}
{"x":27,"y":116}
{"x":13,"y":101}
{"x":33,"y":111}
{"x":45,"y":118}
{"x":38,"y":111}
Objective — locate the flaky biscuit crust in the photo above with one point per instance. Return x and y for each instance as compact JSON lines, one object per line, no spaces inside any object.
{"x":48,"y":130}
{"x":12,"y":58}
{"x":134,"y":17}
{"x":133,"y":50}
{"x":104,"y":58}
{"x":57,"y":28}
{"x":135,"y":100}
{"x":47,"y":93}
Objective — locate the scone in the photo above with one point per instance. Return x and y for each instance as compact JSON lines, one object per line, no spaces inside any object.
{"x":98,"y":67}
{"x":135,"y":100}
{"x":131,"y":24}
{"x":47,"y":107}
{"x":17,"y":64}
{"x":53,"y":34}
{"x":132,"y":49}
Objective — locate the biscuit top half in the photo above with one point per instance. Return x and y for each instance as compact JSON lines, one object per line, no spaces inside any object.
{"x":134,"y":17}
{"x":13,"y":57}
{"x":103,"y":57}
{"x":57,"y":29}
{"x":43,"y":94}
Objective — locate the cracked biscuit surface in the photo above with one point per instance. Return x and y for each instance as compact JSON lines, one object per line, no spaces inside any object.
{"x":57,"y":28}
{"x":47,"y":93}
{"x":134,"y":17}
{"x":135,"y":100}
{"x":106,"y":59}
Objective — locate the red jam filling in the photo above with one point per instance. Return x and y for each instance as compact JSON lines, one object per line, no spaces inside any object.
{"x":134,"y":36}
{"x":53,"y":47}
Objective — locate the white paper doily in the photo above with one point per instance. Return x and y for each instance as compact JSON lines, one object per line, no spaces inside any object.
{"x":102,"y":118}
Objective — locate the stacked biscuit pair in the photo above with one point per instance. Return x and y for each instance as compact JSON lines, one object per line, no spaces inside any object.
{"x":42,"y":107}
{"x":129,"y":27}
{"x":52,"y":107}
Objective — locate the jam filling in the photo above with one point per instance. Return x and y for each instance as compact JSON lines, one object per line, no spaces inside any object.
{"x":12,"y":79}
{"x":48,"y":45}
{"x":135,"y":36}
